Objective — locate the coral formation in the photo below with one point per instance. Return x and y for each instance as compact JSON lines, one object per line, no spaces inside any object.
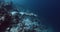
{"x":15,"y":20}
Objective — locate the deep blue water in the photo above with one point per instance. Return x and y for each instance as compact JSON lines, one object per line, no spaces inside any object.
{"x":48,"y":11}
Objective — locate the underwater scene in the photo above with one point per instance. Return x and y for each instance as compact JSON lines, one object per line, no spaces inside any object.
{"x":22,"y":16}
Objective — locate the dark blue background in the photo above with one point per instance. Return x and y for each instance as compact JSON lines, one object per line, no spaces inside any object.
{"x":49,"y":12}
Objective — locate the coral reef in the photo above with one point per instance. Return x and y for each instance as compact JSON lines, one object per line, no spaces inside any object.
{"x":15,"y":20}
